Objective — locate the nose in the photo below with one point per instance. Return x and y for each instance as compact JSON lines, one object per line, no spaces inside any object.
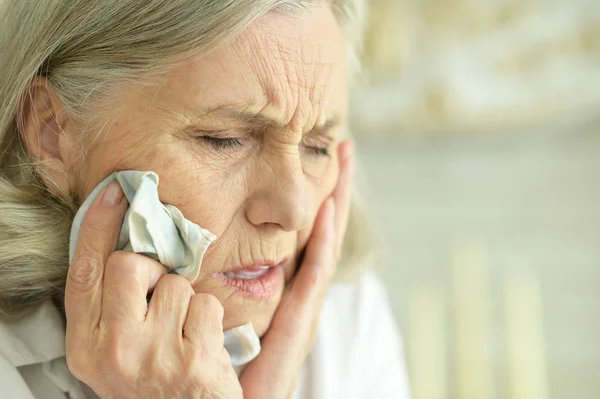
{"x":279,"y":195}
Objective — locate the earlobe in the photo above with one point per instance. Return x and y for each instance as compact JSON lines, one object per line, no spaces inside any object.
{"x":43,"y":128}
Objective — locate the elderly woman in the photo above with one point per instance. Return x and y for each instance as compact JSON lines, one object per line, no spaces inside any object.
{"x":239,"y":107}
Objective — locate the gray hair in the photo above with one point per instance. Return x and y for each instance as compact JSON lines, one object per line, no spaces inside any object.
{"x":86,"y":49}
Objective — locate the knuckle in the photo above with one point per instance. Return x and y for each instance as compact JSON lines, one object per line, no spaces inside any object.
{"x":126,"y":264}
{"x":122,"y":257}
{"x":83,"y":274}
{"x":174,"y":285}
{"x":209,"y":304}
{"x":209,"y":301}
{"x":192,"y":329}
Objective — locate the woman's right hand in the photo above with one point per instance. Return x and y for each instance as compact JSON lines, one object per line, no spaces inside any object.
{"x":124,"y":347}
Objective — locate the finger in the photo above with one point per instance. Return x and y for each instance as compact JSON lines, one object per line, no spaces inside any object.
{"x":342,"y":192}
{"x":318,"y":265}
{"x":128,"y":277}
{"x":204,"y":322}
{"x":97,"y":239}
{"x":170,"y":301}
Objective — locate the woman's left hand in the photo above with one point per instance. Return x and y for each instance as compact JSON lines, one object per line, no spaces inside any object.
{"x":286,"y":344}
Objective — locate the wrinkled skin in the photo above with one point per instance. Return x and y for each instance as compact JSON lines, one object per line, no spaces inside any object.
{"x":261,"y":197}
{"x":246,"y":142}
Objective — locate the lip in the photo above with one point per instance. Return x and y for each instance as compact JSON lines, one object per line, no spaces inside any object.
{"x":256,"y":265}
{"x":265,"y":286}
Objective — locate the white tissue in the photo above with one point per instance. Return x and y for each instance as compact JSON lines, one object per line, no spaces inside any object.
{"x":163,"y":233}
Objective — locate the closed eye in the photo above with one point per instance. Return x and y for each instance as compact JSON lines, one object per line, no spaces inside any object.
{"x":231,"y":143}
{"x":319,"y":151}
{"x":222,"y":144}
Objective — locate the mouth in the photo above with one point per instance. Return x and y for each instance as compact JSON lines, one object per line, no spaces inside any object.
{"x":260,"y":280}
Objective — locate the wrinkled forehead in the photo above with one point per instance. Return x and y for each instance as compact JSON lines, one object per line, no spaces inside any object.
{"x":291,"y":69}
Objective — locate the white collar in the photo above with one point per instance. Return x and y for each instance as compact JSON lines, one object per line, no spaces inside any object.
{"x":36,"y":338}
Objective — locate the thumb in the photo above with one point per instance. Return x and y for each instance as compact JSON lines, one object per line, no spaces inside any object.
{"x":97,"y":239}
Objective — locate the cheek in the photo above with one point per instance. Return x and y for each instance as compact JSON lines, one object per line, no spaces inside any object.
{"x":101,"y":162}
{"x":200,"y":191}
{"x":124,"y":147}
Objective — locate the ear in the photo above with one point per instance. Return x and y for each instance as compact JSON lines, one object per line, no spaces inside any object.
{"x":44,"y":128}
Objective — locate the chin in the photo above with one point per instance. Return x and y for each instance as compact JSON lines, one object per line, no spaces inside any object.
{"x":240,"y":310}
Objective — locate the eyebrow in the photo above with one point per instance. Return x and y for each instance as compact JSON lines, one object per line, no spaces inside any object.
{"x":263,"y":122}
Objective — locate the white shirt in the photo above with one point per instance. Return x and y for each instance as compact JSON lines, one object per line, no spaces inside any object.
{"x":357,"y":351}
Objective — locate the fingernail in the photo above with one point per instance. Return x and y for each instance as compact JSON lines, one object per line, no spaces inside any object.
{"x":112,"y":195}
{"x":350,"y":150}
{"x":347,"y":149}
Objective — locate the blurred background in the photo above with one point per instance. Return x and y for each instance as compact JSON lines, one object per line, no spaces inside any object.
{"x":479,"y":131}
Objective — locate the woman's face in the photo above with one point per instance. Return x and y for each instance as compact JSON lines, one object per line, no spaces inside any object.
{"x":244,"y":141}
